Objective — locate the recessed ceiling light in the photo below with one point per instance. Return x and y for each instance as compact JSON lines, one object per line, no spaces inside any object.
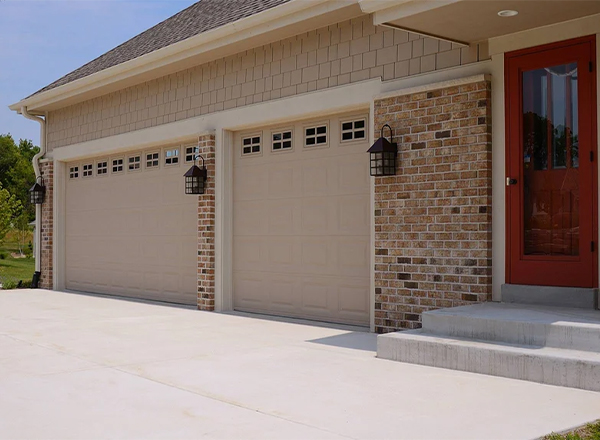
{"x":507,"y":13}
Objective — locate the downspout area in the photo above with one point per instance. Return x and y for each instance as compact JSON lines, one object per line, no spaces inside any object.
{"x":38,"y":208}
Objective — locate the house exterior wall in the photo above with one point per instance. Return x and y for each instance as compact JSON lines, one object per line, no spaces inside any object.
{"x":433,"y":242}
{"x":47,"y":233}
{"x":343,"y":53}
{"x":206,"y":228}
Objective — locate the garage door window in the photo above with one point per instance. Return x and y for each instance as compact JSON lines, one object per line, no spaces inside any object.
{"x":117,"y":165}
{"x":354,"y":130}
{"x":281,"y":140}
{"x":152,"y":160}
{"x":134,"y":163}
{"x":172,"y":156}
{"x":101,"y":168}
{"x":74,"y":172}
{"x":88,"y":170}
{"x":191,"y":152}
{"x":315,"y":135}
{"x":250,"y":145}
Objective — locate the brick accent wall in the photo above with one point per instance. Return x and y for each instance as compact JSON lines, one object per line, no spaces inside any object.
{"x":206,"y":228}
{"x":433,"y":242}
{"x":349,"y":51}
{"x":47,"y":269}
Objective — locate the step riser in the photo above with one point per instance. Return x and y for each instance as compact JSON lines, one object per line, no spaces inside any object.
{"x":548,"y":370}
{"x":522,"y":333}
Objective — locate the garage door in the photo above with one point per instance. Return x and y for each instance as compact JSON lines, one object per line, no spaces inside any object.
{"x":301,"y":220}
{"x":130,"y":229}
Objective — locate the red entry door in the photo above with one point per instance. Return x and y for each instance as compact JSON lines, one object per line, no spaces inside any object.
{"x":551,"y":183}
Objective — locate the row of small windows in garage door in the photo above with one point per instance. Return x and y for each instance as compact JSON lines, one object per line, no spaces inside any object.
{"x":315,"y":135}
{"x":133,"y":162}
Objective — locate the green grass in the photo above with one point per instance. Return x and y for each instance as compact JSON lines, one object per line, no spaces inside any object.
{"x":14,"y":269}
{"x":587,"y":432}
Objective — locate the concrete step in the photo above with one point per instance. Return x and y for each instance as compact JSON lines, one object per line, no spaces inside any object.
{"x":548,"y":365}
{"x":557,"y":327}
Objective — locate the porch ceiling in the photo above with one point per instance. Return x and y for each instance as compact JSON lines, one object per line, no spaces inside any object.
{"x":475,"y":20}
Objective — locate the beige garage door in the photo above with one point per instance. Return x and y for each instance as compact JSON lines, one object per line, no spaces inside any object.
{"x":301,"y":220}
{"x":130,"y":229}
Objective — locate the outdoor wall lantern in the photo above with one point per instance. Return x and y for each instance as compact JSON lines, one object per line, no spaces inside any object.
{"x":383,"y":155}
{"x":36,"y":193}
{"x":195,"y":178}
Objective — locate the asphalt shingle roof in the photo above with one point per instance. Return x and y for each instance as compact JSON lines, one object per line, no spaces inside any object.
{"x":196,"y":19}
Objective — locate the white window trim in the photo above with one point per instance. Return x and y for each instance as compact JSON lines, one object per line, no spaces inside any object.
{"x":135,"y":170}
{"x":112,"y":171}
{"x":353,"y":120}
{"x":258,"y":134}
{"x":108,"y":163}
{"x":145,"y":156}
{"x":315,"y":125}
{"x":291,"y":139}
{"x":194,"y":154}
{"x":164,"y":156}
{"x":79,"y":172}
{"x":83,"y":176}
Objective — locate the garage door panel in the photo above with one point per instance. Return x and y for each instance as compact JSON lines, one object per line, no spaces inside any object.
{"x":353,"y":256}
{"x":281,"y":254}
{"x":281,"y":216}
{"x":354,"y":214}
{"x":281,"y":181}
{"x":249,"y":218}
{"x":301,"y":229}
{"x":319,"y":216}
{"x":254,"y":291}
{"x":132,"y":234}
{"x":252,"y":183}
{"x":317,"y":296}
{"x":353,"y":176}
{"x":353,"y":297}
{"x":316,"y":178}
{"x":248,"y":253}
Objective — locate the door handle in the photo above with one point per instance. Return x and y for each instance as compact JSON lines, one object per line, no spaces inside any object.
{"x":510,"y":181}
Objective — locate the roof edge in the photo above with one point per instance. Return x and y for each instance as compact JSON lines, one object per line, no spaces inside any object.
{"x":293,"y":11}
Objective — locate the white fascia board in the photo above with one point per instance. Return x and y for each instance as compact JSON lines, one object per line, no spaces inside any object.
{"x":406,"y":9}
{"x":276,"y":18}
{"x":370,"y":6}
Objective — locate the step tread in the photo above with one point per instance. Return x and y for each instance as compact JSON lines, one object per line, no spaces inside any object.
{"x":546,"y":315}
{"x":530,"y":350}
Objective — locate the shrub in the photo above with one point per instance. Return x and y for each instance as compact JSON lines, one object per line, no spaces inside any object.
{"x":25,"y":284}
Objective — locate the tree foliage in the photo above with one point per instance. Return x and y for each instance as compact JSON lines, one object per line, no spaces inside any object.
{"x":10,"y":207}
{"x":16,"y":170}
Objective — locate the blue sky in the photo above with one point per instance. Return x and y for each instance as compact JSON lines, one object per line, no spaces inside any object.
{"x":42,"y":40}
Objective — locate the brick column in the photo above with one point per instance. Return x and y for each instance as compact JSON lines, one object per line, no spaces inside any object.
{"x":433,"y":241}
{"x":47,"y":244}
{"x":206,"y":228}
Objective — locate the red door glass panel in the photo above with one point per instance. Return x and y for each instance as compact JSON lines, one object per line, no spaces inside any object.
{"x":551,"y":132}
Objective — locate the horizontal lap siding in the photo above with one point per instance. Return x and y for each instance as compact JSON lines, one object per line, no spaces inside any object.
{"x":346,"y":52}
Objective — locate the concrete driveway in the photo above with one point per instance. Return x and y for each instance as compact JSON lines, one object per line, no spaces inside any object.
{"x":78,"y":366}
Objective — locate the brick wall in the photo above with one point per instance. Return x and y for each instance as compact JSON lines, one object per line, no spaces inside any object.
{"x":46,"y":280}
{"x":206,"y":228}
{"x":433,"y":242}
{"x":342,"y":53}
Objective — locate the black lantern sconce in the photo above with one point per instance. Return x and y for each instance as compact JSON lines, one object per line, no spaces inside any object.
{"x":195,"y":178}
{"x":383,"y":155}
{"x":37,"y":191}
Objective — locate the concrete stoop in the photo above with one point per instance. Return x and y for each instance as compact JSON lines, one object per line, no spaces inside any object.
{"x":551,"y":345}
